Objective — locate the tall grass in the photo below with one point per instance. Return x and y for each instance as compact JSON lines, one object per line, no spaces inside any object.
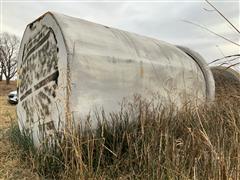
{"x":145,"y":141}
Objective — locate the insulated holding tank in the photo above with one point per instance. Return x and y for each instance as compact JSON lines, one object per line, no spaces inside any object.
{"x":70,"y":67}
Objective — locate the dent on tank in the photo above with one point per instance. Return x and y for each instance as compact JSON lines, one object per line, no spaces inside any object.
{"x":71,"y":65}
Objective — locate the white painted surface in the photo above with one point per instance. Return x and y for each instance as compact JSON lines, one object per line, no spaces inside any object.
{"x":107,"y":65}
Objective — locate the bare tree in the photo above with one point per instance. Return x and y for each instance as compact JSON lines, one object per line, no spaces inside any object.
{"x":1,"y":69}
{"x":9,"y":45}
{"x":1,"y":65}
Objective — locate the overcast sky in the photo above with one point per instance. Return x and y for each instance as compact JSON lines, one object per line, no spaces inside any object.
{"x":162,"y":20}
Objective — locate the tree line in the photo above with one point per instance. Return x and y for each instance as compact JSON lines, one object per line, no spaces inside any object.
{"x":9,"y":45}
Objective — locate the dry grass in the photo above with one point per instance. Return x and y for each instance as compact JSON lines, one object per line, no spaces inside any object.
{"x":141,"y":141}
{"x":7,"y":111}
{"x":11,"y":165}
{"x":144,"y":141}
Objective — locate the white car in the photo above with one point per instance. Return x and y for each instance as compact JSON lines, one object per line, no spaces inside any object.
{"x":12,"y":97}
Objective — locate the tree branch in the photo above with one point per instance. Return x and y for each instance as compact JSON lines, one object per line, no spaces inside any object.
{"x":203,"y":27}
{"x":222,"y":15}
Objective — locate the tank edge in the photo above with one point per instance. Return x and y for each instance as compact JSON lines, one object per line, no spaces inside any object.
{"x":207,"y":73}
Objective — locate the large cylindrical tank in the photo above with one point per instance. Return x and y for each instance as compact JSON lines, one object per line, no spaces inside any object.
{"x":70,"y":67}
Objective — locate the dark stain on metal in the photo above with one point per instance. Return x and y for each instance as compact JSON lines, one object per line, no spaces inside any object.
{"x":39,"y":61}
{"x":52,"y":77}
{"x":28,"y":92}
{"x":39,"y":76}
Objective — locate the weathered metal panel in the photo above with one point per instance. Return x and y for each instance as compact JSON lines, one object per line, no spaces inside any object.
{"x":41,"y":88}
{"x":98,"y":66}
